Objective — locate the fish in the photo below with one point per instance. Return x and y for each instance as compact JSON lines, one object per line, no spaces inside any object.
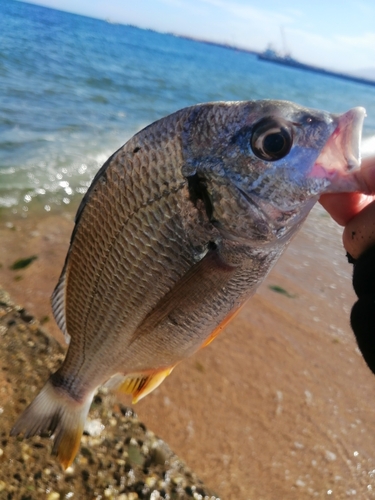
{"x":177,"y":230}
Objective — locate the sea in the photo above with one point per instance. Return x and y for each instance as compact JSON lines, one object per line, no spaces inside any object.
{"x":73,"y":89}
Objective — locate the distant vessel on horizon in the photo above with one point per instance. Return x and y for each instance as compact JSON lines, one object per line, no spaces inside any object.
{"x":271,"y":55}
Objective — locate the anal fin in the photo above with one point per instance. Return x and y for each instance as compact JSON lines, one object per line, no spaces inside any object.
{"x":141,"y":384}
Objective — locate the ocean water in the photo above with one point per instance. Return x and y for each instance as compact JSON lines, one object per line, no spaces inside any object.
{"x":74,"y":89}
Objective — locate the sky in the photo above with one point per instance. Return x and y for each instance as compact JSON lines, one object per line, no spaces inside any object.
{"x":335,"y":34}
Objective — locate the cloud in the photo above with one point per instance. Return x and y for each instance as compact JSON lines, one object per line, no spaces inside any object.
{"x":332,"y":51}
{"x":364,"y":41}
{"x":176,"y":3}
{"x":250,"y":13}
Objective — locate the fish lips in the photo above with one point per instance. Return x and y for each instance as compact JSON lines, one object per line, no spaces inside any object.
{"x":336,"y":168}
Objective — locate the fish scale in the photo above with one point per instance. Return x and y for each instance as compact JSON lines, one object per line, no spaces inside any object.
{"x":132,"y":208}
{"x":178,"y":229}
{"x":129,"y":261}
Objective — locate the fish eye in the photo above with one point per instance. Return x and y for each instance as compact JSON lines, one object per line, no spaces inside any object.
{"x":271,"y":139}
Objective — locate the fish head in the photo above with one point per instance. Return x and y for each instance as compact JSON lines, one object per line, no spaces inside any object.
{"x":262,"y":165}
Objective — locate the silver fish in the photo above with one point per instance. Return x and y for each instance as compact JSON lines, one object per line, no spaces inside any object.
{"x":176,"y":232}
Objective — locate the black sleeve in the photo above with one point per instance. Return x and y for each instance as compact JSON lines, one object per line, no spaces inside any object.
{"x":362,"y":317}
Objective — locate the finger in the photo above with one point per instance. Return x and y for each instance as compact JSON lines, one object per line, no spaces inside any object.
{"x":344,"y":206}
{"x":367,"y":173}
{"x":359,"y":233}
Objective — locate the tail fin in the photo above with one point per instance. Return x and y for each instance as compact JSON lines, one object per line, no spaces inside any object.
{"x":56,"y":413}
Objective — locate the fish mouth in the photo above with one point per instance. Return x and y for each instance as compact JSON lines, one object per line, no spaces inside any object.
{"x":340,"y":159}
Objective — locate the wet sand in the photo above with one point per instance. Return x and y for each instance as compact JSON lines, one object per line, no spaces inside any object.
{"x":281,"y":405}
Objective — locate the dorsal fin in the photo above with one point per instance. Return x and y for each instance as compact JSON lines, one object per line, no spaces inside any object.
{"x":58,"y":296}
{"x":58,"y":304}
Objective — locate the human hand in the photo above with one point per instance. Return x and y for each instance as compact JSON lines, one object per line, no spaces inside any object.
{"x":355,"y":211}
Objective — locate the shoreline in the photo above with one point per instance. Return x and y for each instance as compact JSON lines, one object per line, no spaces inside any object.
{"x":293,"y":63}
{"x":280,"y":403}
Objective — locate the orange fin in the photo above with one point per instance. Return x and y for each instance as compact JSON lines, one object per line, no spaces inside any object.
{"x":66,"y":445}
{"x":56,"y":413}
{"x":221,"y":327}
{"x":141,"y":384}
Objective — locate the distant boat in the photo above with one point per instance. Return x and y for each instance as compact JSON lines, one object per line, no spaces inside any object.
{"x":271,"y":55}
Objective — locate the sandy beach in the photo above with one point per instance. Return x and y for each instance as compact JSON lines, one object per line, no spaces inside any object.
{"x":281,"y":405}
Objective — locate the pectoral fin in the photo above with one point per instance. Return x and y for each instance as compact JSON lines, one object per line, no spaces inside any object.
{"x":221,"y":327}
{"x":201,"y":281}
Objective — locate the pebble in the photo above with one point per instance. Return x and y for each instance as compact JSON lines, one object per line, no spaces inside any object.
{"x":330,"y":456}
{"x":150,"y":481}
{"x":118,"y":439}
{"x":53,"y":496}
{"x":132,"y":496}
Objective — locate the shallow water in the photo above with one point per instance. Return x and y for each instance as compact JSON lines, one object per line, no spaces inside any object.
{"x":74,"y":89}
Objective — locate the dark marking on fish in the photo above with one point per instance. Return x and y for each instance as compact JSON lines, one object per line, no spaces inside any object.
{"x":172,"y":320}
{"x":64,"y":384}
{"x":198,"y":191}
{"x":135,"y":150}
